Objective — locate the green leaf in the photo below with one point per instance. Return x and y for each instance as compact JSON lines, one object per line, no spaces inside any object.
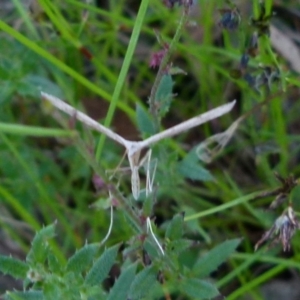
{"x":175,"y":228}
{"x":191,"y":168}
{"x":101,"y":203}
{"x":198,"y":289}
{"x":14,"y":267}
{"x":102,"y":266}
{"x":39,"y":248}
{"x":6,"y":92}
{"x":164,"y":94}
{"x":195,"y":226}
{"x":33,"y":130}
{"x":91,"y":293}
{"x":142,"y":283}
{"x":178,"y":246}
{"x":214,"y":258}
{"x":29,"y":295}
{"x":120,"y":289}
{"x":176,"y":70}
{"x":165,"y":87}
{"x":151,"y":248}
{"x":148,"y":204}
{"x":53,"y":290}
{"x":144,"y":122}
{"x":53,"y":263}
{"x":82,"y":259}
{"x":32,"y":85}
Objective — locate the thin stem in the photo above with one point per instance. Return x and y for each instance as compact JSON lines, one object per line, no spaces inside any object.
{"x":149,"y":227}
{"x":124,"y":70}
{"x":123,"y":202}
{"x":163,"y":65}
{"x":223,"y":207}
{"x":110,"y":225}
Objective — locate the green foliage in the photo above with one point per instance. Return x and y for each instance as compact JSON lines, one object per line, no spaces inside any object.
{"x":175,"y":228}
{"x":87,"y":55}
{"x":13,"y":267}
{"x":120,"y":289}
{"x":102,"y":266}
{"x":214,"y":258}
{"x":31,"y":295}
{"x":198,"y":289}
{"x":82,"y":259}
{"x":142,"y":283}
{"x":39,"y":250}
{"x":191,"y":168}
{"x":144,"y":122}
{"x":178,"y":246}
{"x":53,"y":263}
{"x":51,"y":280}
{"x":164,"y":95}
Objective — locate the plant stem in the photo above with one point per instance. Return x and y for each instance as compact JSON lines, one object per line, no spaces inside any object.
{"x":163,"y":65}
{"x":123,"y":202}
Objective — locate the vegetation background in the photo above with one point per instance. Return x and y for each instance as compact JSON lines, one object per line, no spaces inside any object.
{"x":87,"y":53}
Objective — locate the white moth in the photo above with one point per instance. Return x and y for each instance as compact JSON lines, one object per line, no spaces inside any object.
{"x":133,"y":149}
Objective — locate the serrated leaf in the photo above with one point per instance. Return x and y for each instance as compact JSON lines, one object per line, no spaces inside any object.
{"x":82,"y":259}
{"x":92,"y":294}
{"x":175,"y":228}
{"x":28,"y":295}
{"x":53,"y":290}
{"x":195,"y":226}
{"x":165,"y":87}
{"x":198,"y":289}
{"x":144,"y":122}
{"x":102,"y":266}
{"x":14,"y":267}
{"x":39,"y":248}
{"x":157,"y":291}
{"x":214,"y":258}
{"x":176,"y":247}
{"x":151,"y":248}
{"x":164,"y":94}
{"x":53,"y":263}
{"x":120,"y":289}
{"x":142,"y":283}
{"x":148,"y":206}
{"x":190,"y":168}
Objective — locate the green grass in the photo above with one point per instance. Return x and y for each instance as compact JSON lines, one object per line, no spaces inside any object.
{"x":45,"y":178}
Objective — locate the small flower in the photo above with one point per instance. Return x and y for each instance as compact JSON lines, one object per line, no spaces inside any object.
{"x":230,"y":19}
{"x":157,"y":57}
{"x":282,"y":230}
{"x":34,"y":275}
{"x":98,"y":182}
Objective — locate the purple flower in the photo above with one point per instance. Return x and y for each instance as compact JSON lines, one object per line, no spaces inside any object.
{"x":230,"y":19}
{"x":156,"y":58}
{"x":98,"y":182}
